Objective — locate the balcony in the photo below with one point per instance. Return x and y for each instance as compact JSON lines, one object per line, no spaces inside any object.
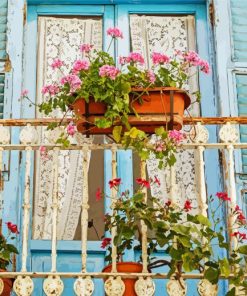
{"x":21,"y":135}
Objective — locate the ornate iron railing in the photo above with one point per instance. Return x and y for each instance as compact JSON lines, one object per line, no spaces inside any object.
{"x":84,"y":284}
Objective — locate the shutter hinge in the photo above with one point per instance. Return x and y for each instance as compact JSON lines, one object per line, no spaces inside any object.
{"x":212,"y":13}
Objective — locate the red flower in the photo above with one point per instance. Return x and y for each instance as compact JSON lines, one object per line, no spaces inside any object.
{"x":239,"y":235}
{"x":99,"y":194}
{"x":223,"y":196}
{"x":187,"y":206}
{"x":168,"y":203}
{"x":105,"y":242}
{"x":143,"y":182}
{"x":12,"y":227}
{"x":156,"y":180}
{"x":237,"y":208}
{"x":241,"y":218}
{"x":114,"y":182}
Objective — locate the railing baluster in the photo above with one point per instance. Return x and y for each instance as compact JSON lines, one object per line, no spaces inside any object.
{"x":144,"y":286}
{"x":53,"y":285}
{"x":113,"y":201}
{"x":114,"y":284}
{"x":26,"y":210}
{"x":23,"y":286}
{"x":84,"y":286}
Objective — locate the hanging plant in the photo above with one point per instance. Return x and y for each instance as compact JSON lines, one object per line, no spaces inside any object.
{"x":104,"y":98}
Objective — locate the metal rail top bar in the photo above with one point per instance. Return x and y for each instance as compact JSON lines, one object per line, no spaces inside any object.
{"x":103,"y":275}
{"x":119,"y":147}
{"x":186,"y":121}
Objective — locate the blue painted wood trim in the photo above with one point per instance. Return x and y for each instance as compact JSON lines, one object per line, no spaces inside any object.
{"x":100,"y":2}
{"x":30,"y":69}
{"x":12,"y":201}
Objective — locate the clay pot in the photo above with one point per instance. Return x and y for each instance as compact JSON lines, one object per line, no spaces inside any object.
{"x":127,"y":267}
{"x":155,"y":110}
{"x":8,"y":283}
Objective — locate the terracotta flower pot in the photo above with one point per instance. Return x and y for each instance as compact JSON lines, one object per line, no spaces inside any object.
{"x":8,"y":283}
{"x":155,"y":111}
{"x":127,"y":267}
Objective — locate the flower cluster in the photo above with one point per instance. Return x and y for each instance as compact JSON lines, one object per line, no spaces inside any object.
{"x":114,"y":33}
{"x":108,"y":71}
{"x":12,"y":227}
{"x":177,"y":136}
{"x":80,"y":65}
{"x":96,"y":78}
{"x":72,"y":80}
{"x":115,"y":182}
{"x":86,"y":47}
{"x":133,"y":57}
{"x":159,"y":58}
{"x":51,"y":89}
{"x":194,"y":59}
{"x":57,"y":64}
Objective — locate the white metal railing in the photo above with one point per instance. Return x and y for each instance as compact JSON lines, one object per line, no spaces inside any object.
{"x":114,"y":285}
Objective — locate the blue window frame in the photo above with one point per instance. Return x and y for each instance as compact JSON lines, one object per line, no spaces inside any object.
{"x":113,"y":15}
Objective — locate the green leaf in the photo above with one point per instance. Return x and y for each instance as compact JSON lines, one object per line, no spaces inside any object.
{"x":12,"y":248}
{"x":117,"y":130}
{"x":159,"y":131}
{"x":232,"y":292}
{"x":225,"y":267}
{"x":212,"y":275}
{"x":185,"y":241}
{"x":176,"y":254}
{"x":203,"y":220}
{"x":243,"y":250}
{"x":188,"y":262}
{"x":171,"y":160}
{"x":180,"y":229}
{"x":127,"y":233}
{"x":138,"y":197}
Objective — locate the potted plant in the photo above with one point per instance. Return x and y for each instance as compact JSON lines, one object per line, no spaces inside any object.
{"x":127,"y":101}
{"x":7,"y":250}
{"x":190,"y":240}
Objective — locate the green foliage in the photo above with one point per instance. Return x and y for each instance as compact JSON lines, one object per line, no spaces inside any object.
{"x":186,"y":238}
{"x":6,"y":250}
{"x":117,"y":95}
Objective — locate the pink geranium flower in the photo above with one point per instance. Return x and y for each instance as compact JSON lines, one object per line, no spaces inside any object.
{"x":86,"y":47}
{"x":80,"y":65}
{"x":73,"y":81}
{"x":176,"y":136}
{"x":151,"y":76}
{"x":192,"y":57}
{"x":114,"y":32}
{"x":159,"y":58}
{"x":51,"y":89}
{"x":24,"y":93}
{"x":71,"y":129}
{"x":56,"y":64}
{"x":43,"y":153}
{"x":204,"y":66}
{"x":108,"y":71}
{"x":135,"y":57}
